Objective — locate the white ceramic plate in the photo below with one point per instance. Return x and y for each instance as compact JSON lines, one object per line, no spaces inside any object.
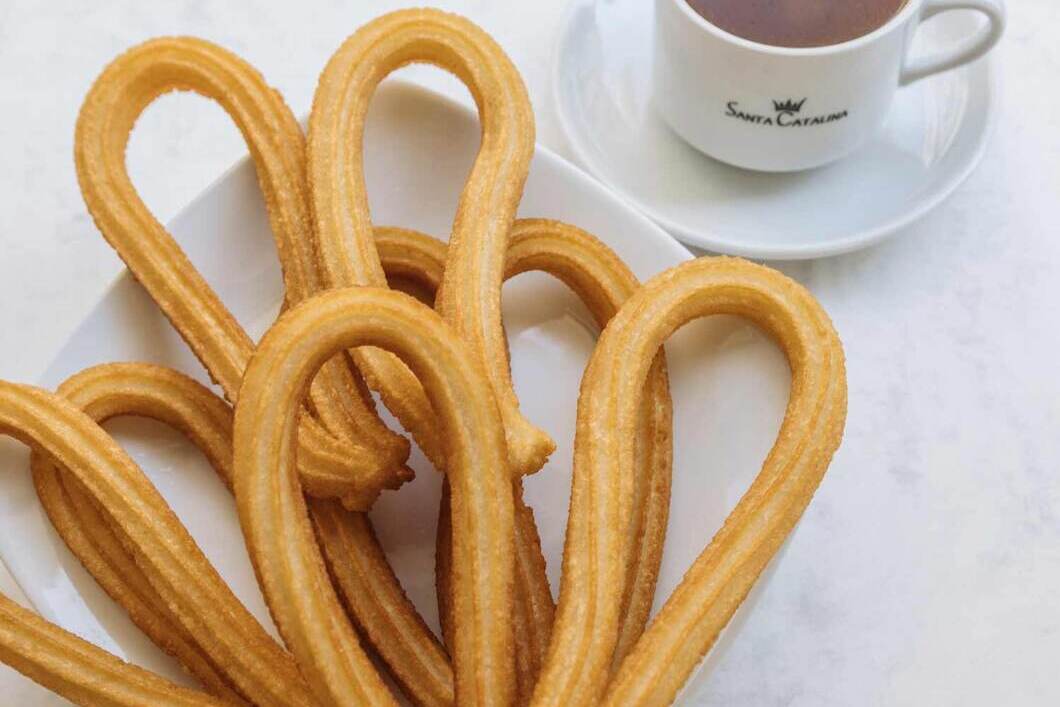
{"x":933,"y":138}
{"x":730,"y":384}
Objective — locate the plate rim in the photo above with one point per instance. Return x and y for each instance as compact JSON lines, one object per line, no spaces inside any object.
{"x":714,"y":242}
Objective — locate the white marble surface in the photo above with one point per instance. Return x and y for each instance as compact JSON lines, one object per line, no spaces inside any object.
{"x":925,"y":572}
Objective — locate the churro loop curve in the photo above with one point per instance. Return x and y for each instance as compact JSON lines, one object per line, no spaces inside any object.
{"x":368,"y":586}
{"x":588,"y":614}
{"x":470,"y":296}
{"x":203,"y":604}
{"x":273,"y":514}
{"x":276,"y":143}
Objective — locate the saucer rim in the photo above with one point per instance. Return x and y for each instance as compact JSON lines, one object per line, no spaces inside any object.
{"x":716,"y":242}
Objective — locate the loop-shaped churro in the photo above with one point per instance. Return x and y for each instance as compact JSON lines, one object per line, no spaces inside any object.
{"x":588,"y":614}
{"x":470,"y":297}
{"x":603,"y":282}
{"x":358,"y":564}
{"x":259,"y":669}
{"x":366,"y":456}
{"x":107,"y":391}
{"x":273,"y":512}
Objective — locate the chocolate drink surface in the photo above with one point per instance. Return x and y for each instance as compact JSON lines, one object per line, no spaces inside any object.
{"x":798,"y":23}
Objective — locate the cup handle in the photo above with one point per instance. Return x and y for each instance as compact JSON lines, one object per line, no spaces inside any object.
{"x":969,"y":50}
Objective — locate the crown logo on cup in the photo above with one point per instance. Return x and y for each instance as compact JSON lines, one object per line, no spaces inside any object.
{"x":788,"y":106}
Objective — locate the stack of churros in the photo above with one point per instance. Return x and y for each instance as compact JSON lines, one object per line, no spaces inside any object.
{"x":299,"y":441}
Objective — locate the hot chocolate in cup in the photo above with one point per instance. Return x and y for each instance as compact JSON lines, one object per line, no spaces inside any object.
{"x":778,"y":108}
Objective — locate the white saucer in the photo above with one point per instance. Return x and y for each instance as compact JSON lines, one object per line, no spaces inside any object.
{"x":934,"y":137}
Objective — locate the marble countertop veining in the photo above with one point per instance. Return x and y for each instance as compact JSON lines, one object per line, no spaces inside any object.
{"x":926,"y":570}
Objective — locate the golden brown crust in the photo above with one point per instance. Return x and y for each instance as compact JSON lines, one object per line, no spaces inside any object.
{"x":588,"y":614}
{"x":365,"y":455}
{"x":200,"y":602}
{"x":470,"y":298}
{"x":273,"y":514}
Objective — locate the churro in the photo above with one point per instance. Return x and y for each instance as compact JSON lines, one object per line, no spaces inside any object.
{"x":107,"y":391}
{"x":588,"y":616}
{"x":277,"y":527}
{"x":358,"y":564}
{"x":369,"y":456}
{"x":470,"y":296}
{"x":259,"y":670}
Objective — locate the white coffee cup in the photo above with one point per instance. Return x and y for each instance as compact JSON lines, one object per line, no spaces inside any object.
{"x":781,"y":109}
